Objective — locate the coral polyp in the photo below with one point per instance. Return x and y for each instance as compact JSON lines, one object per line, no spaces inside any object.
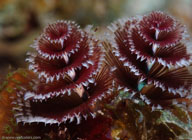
{"x":71,"y":79}
{"x":151,"y":50}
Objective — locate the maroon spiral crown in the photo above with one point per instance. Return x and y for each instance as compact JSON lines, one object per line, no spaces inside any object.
{"x":152,"y":50}
{"x":71,"y":76}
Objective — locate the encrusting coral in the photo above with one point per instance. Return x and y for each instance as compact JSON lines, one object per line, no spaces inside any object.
{"x":71,"y":76}
{"x":149,"y":58}
{"x":14,"y":82}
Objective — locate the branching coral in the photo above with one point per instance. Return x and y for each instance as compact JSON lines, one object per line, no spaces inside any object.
{"x":71,"y":76}
{"x":152,"y":50}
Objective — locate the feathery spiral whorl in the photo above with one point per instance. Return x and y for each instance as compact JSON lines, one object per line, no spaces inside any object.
{"x":151,"y":49}
{"x":71,"y":77}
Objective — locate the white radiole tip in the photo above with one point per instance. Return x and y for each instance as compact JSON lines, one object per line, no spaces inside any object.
{"x":72,"y":74}
{"x":157,"y":34}
{"x":66,"y":58}
{"x":154,"y":48}
{"x":80,"y":90}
